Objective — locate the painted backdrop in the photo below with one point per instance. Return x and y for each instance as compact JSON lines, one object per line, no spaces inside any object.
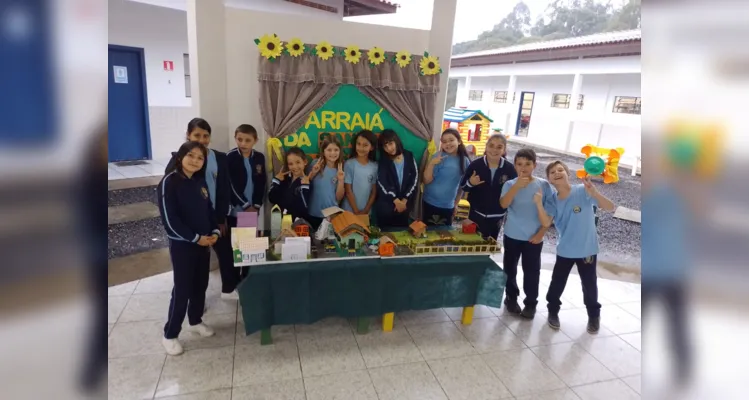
{"x":345,"y":114}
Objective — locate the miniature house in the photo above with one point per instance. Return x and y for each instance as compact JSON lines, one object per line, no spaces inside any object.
{"x":349,"y":230}
{"x":301,"y":227}
{"x":286,"y":222}
{"x":387,"y":247}
{"x":281,"y":238}
{"x":473,"y":126}
{"x":469,"y":226}
{"x":418,"y":229}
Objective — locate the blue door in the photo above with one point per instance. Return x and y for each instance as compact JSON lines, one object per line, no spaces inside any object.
{"x":27,"y":96}
{"x":128,"y":105}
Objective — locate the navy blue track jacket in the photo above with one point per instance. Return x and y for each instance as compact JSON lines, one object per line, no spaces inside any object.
{"x":238,"y":178}
{"x":484,"y":198}
{"x":291,"y":195}
{"x":223,"y":185}
{"x":186,"y":209}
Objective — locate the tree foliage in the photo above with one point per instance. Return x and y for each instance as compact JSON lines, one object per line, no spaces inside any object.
{"x":562,"y":19}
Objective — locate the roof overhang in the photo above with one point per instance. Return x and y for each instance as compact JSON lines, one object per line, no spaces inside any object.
{"x":625,"y":48}
{"x":355,"y":8}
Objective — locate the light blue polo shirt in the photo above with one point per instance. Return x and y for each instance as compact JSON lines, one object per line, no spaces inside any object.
{"x":399,"y":170}
{"x":442,"y":190}
{"x":211,"y":174}
{"x":323,"y":191}
{"x":361,"y":178}
{"x":522,"y":215}
{"x":576,"y":224}
{"x":666,"y":254}
{"x":249,"y":187}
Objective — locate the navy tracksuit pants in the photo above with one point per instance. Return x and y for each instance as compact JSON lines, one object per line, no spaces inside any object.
{"x":191,"y":265}
{"x":586,"y":268}
{"x":531,"y":254}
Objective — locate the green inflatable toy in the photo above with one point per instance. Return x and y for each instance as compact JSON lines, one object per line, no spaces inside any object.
{"x":594,"y":165}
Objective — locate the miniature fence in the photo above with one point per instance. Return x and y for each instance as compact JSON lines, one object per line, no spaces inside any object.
{"x":474,"y":248}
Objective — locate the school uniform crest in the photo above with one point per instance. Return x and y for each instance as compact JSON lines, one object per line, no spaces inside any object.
{"x":259,"y":169}
{"x":503,"y":179}
{"x":576,"y":209}
{"x":204,"y":192}
{"x":588,"y":260}
{"x":371,"y":179}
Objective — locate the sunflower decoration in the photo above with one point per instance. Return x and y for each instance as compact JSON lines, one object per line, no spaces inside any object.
{"x":430,"y":65}
{"x":295,"y":47}
{"x":352,"y":54}
{"x":270,"y":46}
{"x":376,"y":56}
{"x":324,"y":50}
{"x":403,"y":58}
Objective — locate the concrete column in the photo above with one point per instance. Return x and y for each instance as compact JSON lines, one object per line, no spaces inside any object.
{"x":577,"y":84}
{"x":440,"y":45}
{"x":206,"y":37}
{"x":509,"y":128}
{"x":464,"y":86}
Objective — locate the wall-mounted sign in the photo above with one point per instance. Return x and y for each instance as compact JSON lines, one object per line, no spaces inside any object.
{"x":168,"y":65}
{"x":120,"y":74}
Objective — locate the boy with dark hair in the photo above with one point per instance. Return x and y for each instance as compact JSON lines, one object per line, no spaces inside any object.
{"x":578,"y":241}
{"x":528,"y":201}
{"x":246,"y":175}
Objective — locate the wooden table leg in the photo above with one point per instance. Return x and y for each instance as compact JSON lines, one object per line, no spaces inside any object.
{"x":387,"y":322}
{"x":467,"y":315}
{"x":362,"y":325}
{"x":265,"y":337}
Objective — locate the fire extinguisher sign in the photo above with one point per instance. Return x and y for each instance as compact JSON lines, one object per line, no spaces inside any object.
{"x":168,"y":65}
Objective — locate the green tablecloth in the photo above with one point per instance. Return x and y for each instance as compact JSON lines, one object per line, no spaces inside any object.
{"x":305,"y":292}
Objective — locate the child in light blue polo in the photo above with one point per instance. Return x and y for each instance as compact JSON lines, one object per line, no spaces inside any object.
{"x":577,"y":242}
{"x":360,"y":174}
{"x":524,"y":229}
{"x":442,"y":179}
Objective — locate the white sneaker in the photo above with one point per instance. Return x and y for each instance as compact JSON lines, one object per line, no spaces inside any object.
{"x":172,"y":346}
{"x":202,"y":329}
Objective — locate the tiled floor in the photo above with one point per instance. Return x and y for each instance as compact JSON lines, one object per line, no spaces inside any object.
{"x":151,"y":168}
{"x":428,"y":355}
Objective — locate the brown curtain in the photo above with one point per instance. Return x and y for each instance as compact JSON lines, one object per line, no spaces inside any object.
{"x":285,"y":106}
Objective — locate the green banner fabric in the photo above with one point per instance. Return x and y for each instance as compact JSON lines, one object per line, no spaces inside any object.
{"x":302,"y":293}
{"x":345,"y":114}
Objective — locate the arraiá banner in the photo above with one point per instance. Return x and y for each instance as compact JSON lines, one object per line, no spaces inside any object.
{"x":345,"y":114}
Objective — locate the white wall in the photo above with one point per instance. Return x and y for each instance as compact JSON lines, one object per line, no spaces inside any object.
{"x":549,"y":125}
{"x":243,"y":26}
{"x":162,"y":34}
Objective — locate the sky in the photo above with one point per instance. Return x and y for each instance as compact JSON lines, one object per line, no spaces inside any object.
{"x":471,"y":18}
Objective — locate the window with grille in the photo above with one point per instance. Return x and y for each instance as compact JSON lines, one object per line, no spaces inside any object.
{"x":563,"y":101}
{"x":188,"y":88}
{"x":500,"y":97}
{"x":627,"y":105}
{"x":475,"y":95}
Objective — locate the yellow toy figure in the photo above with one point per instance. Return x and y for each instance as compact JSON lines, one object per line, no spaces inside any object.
{"x":695,"y":146}
{"x":595,"y":165}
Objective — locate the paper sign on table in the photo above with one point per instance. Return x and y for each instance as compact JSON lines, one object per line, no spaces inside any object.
{"x":294,"y":251}
{"x":246,"y":247}
{"x":247,"y":219}
{"x":239,"y":235}
{"x":249,"y":258}
{"x":304,"y":240}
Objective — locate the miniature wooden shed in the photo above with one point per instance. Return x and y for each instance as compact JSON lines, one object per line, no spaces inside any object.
{"x":387,"y":247}
{"x":417,"y":229}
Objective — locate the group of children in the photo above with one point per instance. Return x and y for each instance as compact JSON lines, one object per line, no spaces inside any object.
{"x":385,"y":188}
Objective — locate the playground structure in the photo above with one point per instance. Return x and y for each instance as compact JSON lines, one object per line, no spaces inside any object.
{"x":602,"y":162}
{"x":473,"y":125}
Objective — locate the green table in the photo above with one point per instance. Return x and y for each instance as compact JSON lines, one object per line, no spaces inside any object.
{"x":284,"y":293}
